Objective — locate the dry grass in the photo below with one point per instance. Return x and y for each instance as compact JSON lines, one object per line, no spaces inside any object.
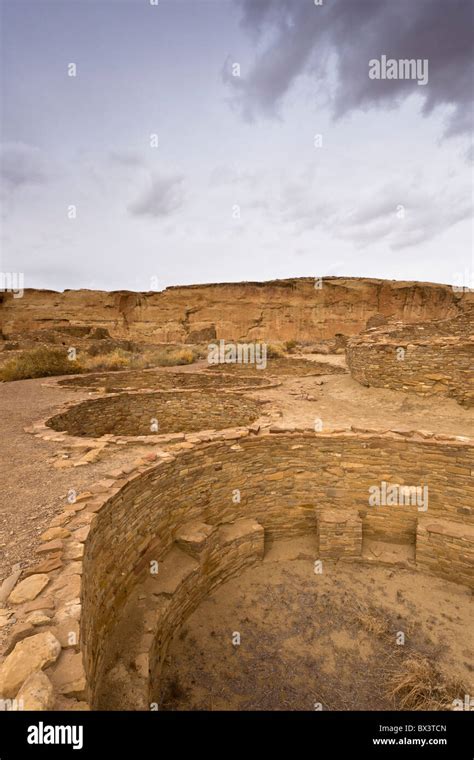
{"x":418,"y":685}
{"x":166,"y":356}
{"x":373,"y":623}
{"x":111,"y":361}
{"x":41,"y":362}
{"x":275,"y":351}
{"x":47,"y":361}
{"x":291,"y":346}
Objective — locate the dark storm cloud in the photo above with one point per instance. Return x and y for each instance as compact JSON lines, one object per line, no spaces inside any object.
{"x":403,"y":216}
{"x":299,"y":37}
{"x":162,"y":197}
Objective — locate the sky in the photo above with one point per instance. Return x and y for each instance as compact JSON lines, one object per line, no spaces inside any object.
{"x":149,"y":143}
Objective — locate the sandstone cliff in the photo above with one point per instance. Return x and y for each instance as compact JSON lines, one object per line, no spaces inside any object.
{"x":275,"y":310}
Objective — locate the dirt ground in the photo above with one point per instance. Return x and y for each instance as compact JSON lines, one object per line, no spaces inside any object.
{"x":307,"y":638}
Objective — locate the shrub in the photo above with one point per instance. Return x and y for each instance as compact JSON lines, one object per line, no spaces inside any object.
{"x":290,"y":346}
{"x":274,"y":351}
{"x":100,"y":333}
{"x":41,"y":362}
{"x":168,"y":356}
{"x":110,"y":361}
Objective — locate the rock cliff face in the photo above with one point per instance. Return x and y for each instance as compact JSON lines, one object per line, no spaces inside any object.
{"x":275,"y":310}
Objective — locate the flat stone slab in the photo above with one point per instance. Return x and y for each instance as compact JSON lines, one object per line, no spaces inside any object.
{"x":29,"y":589}
{"x":31,"y":654}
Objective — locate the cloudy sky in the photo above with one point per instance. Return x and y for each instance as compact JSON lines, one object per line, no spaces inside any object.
{"x":227,"y":140}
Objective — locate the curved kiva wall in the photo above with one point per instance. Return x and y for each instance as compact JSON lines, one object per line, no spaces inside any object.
{"x":156,"y":412}
{"x":432,"y":359}
{"x":113,"y":382}
{"x":284,"y":484}
{"x":300,"y":309}
{"x":280,"y":367}
{"x":202,"y":514}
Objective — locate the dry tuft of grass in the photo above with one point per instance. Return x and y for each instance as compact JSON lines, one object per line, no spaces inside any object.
{"x":373,"y":623}
{"x":275,"y":351}
{"x":418,"y":685}
{"x":291,"y":346}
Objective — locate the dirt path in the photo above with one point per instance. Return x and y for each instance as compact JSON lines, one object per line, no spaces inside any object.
{"x":33,"y":491}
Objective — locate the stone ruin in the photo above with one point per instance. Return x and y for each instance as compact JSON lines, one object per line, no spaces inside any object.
{"x":171,"y":509}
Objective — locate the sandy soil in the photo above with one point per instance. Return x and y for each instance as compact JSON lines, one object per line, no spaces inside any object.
{"x":309,"y":638}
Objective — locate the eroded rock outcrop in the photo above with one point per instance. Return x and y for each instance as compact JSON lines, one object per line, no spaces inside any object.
{"x":275,"y":310}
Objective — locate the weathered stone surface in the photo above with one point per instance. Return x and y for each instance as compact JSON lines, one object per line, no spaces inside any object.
{"x":71,"y":610}
{"x":52,"y":563}
{"x":39,"y":617}
{"x":37,"y":693}
{"x":339,"y":534}
{"x":41,"y":603}
{"x":427,"y":359}
{"x":9,"y":583}
{"x":68,"y":633}
{"x":68,"y":676}
{"x":29,"y":588}
{"x":55,"y":532}
{"x":32,"y":654}
{"x":131,"y":414}
{"x":74,"y":550}
{"x":66,"y":588}
{"x":50,"y":546}
{"x":6,"y":618}
{"x":193,"y":538}
{"x":236,"y":311}
{"x":21,"y":630}
{"x":447,"y":549}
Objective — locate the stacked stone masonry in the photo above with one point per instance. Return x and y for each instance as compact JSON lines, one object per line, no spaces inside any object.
{"x":431,"y":359}
{"x":339,"y":535}
{"x":156,"y":380}
{"x":446,"y":549}
{"x":182,"y":512}
{"x":149,"y":413}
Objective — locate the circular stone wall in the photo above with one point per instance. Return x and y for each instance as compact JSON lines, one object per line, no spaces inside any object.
{"x":111,"y":382}
{"x":137,"y":414}
{"x":281,"y":366}
{"x":204,"y":514}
